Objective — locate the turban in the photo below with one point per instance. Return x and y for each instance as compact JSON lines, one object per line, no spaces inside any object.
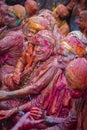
{"x":75,"y":43}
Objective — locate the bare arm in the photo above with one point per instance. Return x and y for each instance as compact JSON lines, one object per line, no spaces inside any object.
{"x":19,"y":69}
{"x":11,"y":40}
{"x":71,"y":4}
{"x":4,"y":114}
{"x":64,"y":123}
{"x":39,"y":82}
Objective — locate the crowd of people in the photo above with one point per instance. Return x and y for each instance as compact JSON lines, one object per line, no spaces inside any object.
{"x":43,"y":65}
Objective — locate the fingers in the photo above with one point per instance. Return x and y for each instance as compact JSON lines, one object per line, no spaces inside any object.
{"x":36,"y":112}
{"x":31,"y":118}
{"x":39,"y":121}
{"x":3,"y":115}
{"x":9,"y":82}
{"x":35,"y":108}
{"x":16,"y":79}
{"x":36,"y":116}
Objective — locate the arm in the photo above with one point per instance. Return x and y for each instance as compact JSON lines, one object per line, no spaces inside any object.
{"x":24,"y":65}
{"x":5,"y":114}
{"x":27,"y":122}
{"x":3,"y":29}
{"x":19,"y":69}
{"x":64,"y":123}
{"x":53,"y":120}
{"x":71,"y":4}
{"x":11,"y":40}
{"x":41,"y":79}
{"x":32,"y":119}
{"x":12,"y":80}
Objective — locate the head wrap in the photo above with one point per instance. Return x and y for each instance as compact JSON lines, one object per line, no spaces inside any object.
{"x":75,"y":42}
{"x":76,"y":73}
{"x":31,"y":7}
{"x":45,"y":37}
{"x":18,"y":10}
{"x":79,"y":35}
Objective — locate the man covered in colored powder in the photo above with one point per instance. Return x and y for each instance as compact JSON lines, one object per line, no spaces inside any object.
{"x":51,"y":97}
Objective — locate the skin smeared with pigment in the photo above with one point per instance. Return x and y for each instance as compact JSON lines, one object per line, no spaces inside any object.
{"x":52,"y":91}
{"x":37,"y":54}
{"x":78,"y":78}
{"x":53,"y":108}
{"x":46,"y":19}
{"x":44,"y":44}
{"x":15,"y":40}
{"x":12,"y":16}
{"x":82,"y":21}
{"x":31,"y":7}
{"x":67,"y":123}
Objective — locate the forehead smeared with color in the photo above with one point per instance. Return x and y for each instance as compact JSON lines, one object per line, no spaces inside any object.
{"x":75,"y":43}
{"x":79,"y":35}
{"x":76,"y":73}
{"x":45,"y":38}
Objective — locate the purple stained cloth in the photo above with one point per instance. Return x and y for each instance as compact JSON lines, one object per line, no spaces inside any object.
{"x":11,"y":47}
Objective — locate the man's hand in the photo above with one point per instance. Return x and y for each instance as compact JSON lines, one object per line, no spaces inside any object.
{"x":4,"y":114}
{"x":16,"y":78}
{"x":36,"y":113}
{"x":62,"y":11}
{"x":9,"y":81}
{"x":27,"y":122}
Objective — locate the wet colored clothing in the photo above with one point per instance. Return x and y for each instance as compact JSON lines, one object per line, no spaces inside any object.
{"x":11,"y":47}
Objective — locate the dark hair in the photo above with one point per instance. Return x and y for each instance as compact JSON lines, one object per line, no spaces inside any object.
{"x":13,"y":2}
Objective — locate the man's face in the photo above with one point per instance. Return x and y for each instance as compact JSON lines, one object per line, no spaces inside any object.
{"x":62,"y":11}
{"x":41,"y":52}
{"x":82,"y":20}
{"x":44,"y":45}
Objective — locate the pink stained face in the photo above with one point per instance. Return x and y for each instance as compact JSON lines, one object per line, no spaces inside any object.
{"x":62,"y":11}
{"x":44,"y":45}
{"x":41,"y":52}
{"x":82,"y":20}
{"x":43,"y":49}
